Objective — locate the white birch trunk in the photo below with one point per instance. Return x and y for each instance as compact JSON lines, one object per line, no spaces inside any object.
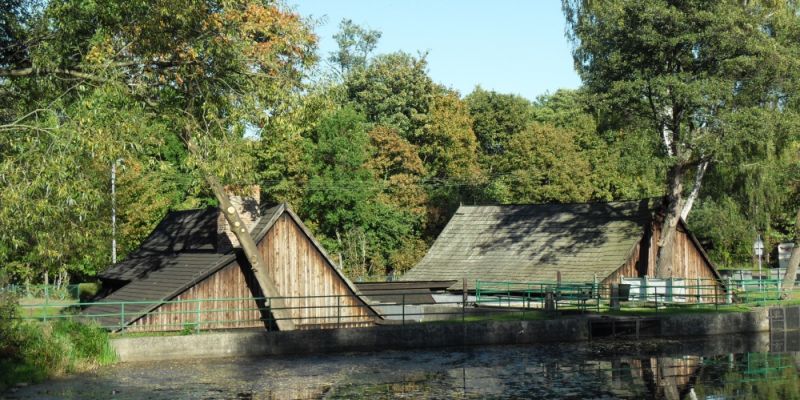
{"x":698,"y":183}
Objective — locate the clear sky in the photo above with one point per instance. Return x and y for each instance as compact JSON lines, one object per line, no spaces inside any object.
{"x":511,"y":46}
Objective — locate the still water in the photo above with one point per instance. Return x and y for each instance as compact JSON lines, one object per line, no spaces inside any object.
{"x":731,"y":367}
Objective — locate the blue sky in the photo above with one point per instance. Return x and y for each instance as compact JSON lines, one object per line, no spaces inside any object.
{"x":504,"y":45}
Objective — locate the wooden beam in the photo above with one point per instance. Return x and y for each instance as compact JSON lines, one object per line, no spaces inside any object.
{"x":277,"y":306}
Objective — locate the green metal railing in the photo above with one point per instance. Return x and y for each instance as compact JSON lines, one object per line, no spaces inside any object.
{"x":194,"y":315}
{"x":508,"y":300}
{"x":591,"y":295}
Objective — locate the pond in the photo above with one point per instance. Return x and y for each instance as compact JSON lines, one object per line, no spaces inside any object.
{"x":726,"y":367}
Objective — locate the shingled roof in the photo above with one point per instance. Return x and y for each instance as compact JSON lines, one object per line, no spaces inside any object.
{"x":533,"y":242}
{"x":179,"y":253}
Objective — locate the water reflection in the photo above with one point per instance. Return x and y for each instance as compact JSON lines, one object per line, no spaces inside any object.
{"x":730,"y":367}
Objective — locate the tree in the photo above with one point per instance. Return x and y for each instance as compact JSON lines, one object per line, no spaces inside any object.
{"x":497,"y":117}
{"x":355,"y":44}
{"x":344,"y":200}
{"x":394,"y":90}
{"x":396,"y":164}
{"x":543,"y":164}
{"x":623,"y":159}
{"x":689,"y":68}
{"x":205,"y":70}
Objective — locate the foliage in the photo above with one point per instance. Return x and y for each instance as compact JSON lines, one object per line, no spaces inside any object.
{"x":85,"y":84}
{"x":394,"y":90}
{"x":497,"y":117}
{"x":545,"y":165}
{"x":693,"y":70}
{"x":41,"y":350}
{"x":32,"y":351}
{"x":355,"y":44}
{"x":396,"y":164}
{"x":344,"y":198}
{"x":727,"y":235}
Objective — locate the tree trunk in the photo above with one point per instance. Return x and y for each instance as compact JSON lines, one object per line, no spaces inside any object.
{"x":698,"y":183}
{"x":794,"y":260}
{"x":277,"y":306}
{"x":283,"y":317}
{"x":672,"y":213}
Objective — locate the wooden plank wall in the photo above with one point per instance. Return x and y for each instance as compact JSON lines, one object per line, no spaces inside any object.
{"x":300,"y":270}
{"x":228,"y":283}
{"x":630,"y":268}
{"x":687,"y":260}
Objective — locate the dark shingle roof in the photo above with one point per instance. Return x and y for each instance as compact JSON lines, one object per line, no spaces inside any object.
{"x":169,"y":262}
{"x":177,"y":273}
{"x":533,"y":242}
{"x":178,"y":254}
{"x":192,"y":230}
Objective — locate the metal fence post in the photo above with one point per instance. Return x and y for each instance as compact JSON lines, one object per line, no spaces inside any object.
{"x":338,"y":311}
{"x":464,"y":297}
{"x":596,"y":291}
{"x":716,"y":300}
{"x":729,"y":295}
{"x":656,"y":297}
{"x":197,"y":317}
{"x":46,"y":305}
{"x":404,"y":309}
{"x":122,"y":316}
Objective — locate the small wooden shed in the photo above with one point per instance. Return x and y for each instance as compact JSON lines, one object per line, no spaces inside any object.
{"x":537,"y":242}
{"x":189,"y":259}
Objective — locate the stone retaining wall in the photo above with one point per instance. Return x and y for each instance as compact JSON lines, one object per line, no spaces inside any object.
{"x":413,"y":336}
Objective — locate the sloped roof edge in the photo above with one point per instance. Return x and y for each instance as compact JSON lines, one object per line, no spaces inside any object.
{"x":222,"y":263}
{"x":353,"y":289}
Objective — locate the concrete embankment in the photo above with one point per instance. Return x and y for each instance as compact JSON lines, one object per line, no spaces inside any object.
{"x":414,"y":336}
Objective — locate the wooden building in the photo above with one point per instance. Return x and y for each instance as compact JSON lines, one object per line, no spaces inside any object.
{"x":583,"y":243}
{"x":189,"y":273}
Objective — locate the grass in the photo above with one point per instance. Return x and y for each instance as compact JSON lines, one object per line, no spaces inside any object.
{"x":40,"y":307}
{"x":527,"y":315}
{"x":673,"y":310}
{"x":32,"y":350}
{"x":36,"y":351}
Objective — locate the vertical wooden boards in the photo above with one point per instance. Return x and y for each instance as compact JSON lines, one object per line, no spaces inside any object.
{"x":319,"y":295}
{"x":229,"y":282}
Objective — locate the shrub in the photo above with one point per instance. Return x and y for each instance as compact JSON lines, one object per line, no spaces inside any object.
{"x":32,"y":351}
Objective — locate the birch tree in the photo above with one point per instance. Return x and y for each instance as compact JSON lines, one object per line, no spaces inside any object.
{"x":690,"y":68}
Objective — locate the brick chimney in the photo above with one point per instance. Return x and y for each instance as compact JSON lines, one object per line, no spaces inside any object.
{"x":247,"y":205}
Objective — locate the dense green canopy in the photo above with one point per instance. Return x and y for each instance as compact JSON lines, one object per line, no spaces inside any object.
{"x":370,"y":151}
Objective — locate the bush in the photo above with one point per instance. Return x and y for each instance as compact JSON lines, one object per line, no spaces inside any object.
{"x":32,"y":351}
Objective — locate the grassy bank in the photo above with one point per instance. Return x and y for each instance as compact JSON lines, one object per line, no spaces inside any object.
{"x":32,"y":351}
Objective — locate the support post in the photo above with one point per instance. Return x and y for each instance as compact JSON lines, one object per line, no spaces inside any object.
{"x":729,"y":294}
{"x":643,"y":288}
{"x":697,"y":290}
{"x":404,"y":310}
{"x":283,"y":316}
{"x":46,"y":304}
{"x":197,"y":317}
{"x":655,"y":288}
{"x":464,"y":301}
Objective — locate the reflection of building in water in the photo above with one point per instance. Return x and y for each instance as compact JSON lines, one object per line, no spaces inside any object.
{"x":653,"y":378}
{"x":666,"y":377}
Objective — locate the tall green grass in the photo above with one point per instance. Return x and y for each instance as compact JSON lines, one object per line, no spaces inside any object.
{"x":32,"y":351}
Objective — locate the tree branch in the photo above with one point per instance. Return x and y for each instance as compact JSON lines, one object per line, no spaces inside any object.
{"x":15,"y":73}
